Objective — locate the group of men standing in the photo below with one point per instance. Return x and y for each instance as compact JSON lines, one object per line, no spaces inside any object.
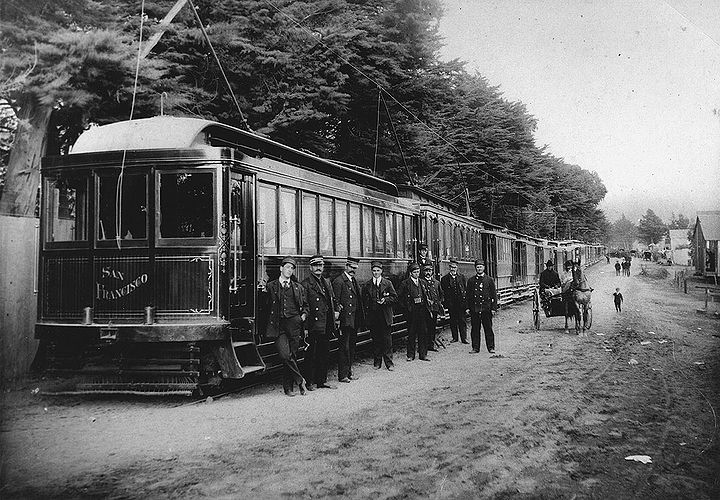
{"x":318,"y":305}
{"x":342,"y":307}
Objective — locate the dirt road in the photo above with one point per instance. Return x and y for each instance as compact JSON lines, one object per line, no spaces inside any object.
{"x":553,"y":416}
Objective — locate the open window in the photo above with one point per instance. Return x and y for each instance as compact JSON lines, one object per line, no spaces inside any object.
{"x":186,"y":208}
{"x":66,"y":206}
{"x":122,"y":208}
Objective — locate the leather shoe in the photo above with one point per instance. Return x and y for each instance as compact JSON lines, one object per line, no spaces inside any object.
{"x":326,"y":386}
{"x":311,"y":387}
{"x":410,"y":359}
{"x":377,"y":367}
{"x":289,"y":393}
{"x":424,"y":359}
{"x":492,"y":351}
{"x":473,"y":352}
{"x":345,"y":380}
{"x":433,"y":349}
{"x":465,"y":342}
{"x":453,"y":340}
{"x":390,"y":369}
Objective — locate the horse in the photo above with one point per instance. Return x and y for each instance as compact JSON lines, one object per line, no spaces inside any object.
{"x":577,"y":300}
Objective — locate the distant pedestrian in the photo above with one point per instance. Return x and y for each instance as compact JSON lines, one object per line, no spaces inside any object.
{"x":624,"y":266}
{"x":617,"y":268}
{"x":627,"y":269}
{"x":618,"y":298}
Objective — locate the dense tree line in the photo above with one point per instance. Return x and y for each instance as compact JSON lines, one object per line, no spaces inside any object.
{"x":355,"y":80}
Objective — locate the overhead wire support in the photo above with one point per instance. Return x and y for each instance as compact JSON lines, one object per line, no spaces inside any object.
{"x":397,"y":139}
{"x":222,"y":71}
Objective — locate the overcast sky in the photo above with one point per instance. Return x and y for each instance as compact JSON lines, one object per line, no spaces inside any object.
{"x":627,"y":88}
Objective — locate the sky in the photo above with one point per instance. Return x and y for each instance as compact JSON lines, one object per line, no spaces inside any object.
{"x":629,"y":89}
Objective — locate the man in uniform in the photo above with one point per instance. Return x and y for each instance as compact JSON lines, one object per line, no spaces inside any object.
{"x":435,"y":300}
{"x":549,"y":280}
{"x":482,"y":301}
{"x":424,"y":256}
{"x":413,"y":295}
{"x":287,"y":307}
{"x":379,"y":295}
{"x":454,"y":286}
{"x":349,"y":299}
{"x":320,"y":324}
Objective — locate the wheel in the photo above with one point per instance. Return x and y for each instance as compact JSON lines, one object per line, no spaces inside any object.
{"x":589,"y":316}
{"x":536,"y":310}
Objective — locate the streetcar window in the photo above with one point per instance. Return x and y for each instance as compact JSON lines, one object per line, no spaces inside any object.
{"x":186,"y":205}
{"x":408,"y":237}
{"x":288,"y":221}
{"x":267,"y":215}
{"x":341,"y":228}
{"x":326,"y":226}
{"x":389,"y":234}
{"x":399,"y":237}
{"x":310,"y":224}
{"x":367,"y":230}
{"x":355,"y":241}
{"x":132,"y":218}
{"x":66,"y":205}
{"x":379,"y":233}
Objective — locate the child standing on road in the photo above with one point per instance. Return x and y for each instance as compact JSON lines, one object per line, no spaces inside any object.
{"x":618,"y":298}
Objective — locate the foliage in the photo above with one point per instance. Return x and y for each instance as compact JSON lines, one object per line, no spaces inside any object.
{"x":356,"y":80}
{"x":623,"y":233}
{"x":679,"y":222}
{"x":651,"y":228}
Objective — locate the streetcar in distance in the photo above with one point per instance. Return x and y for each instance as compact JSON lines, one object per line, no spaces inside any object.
{"x":156,"y":232}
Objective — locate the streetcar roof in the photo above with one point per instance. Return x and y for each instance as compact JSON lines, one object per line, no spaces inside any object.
{"x":171,"y":132}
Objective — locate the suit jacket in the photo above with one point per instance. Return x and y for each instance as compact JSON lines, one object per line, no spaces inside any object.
{"x":371,"y":294}
{"x":452,"y":299}
{"x":549,"y":279}
{"x":481,"y":294}
{"x":409,"y":292}
{"x":435,"y":296}
{"x":271,"y":300}
{"x":350,"y":302}
{"x":322,"y":304}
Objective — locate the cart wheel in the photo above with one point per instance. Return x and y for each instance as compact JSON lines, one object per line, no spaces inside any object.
{"x":589,"y":314}
{"x":536,"y":319}
{"x":536,"y":310}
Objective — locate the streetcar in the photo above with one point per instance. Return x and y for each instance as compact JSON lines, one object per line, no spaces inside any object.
{"x":156,"y":232}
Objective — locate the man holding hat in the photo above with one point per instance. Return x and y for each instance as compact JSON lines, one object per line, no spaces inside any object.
{"x":413,"y":296}
{"x":550,"y":280}
{"x":379,"y":295}
{"x":435,"y":300}
{"x":482,"y":301}
{"x":287,"y":307}
{"x":320,"y":324}
{"x":454,"y":286}
{"x":349,"y":300}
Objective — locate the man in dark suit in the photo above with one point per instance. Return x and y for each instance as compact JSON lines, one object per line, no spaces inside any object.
{"x":454,"y":286}
{"x":379,"y":295}
{"x":320,"y":325}
{"x":435,"y":300}
{"x":482,"y":302}
{"x":424,"y":257}
{"x":286,"y":305}
{"x":352,"y":317}
{"x":549,"y":280}
{"x":413,"y":296}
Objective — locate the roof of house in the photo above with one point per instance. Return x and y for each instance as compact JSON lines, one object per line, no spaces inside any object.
{"x":710,"y":224}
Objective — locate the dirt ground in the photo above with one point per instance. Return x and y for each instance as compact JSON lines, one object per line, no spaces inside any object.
{"x":553,"y":415}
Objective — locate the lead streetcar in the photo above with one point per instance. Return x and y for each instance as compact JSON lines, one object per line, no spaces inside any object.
{"x":156,"y":232}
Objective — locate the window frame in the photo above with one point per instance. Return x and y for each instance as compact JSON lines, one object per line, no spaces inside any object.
{"x":111,"y":243}
{"x":187,"y":242}
{"x":47,"y":208}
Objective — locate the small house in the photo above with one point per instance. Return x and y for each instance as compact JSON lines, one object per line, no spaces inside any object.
{"x":706,"y":235}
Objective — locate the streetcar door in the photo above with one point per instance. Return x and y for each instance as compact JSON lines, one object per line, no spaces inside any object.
{"x":241,"y":259}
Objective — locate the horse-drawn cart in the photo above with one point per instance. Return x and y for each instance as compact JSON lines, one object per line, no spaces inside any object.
{"x":555,"y":306}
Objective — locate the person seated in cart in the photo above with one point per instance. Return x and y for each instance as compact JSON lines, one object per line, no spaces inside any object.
{"x":550,"y":284}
